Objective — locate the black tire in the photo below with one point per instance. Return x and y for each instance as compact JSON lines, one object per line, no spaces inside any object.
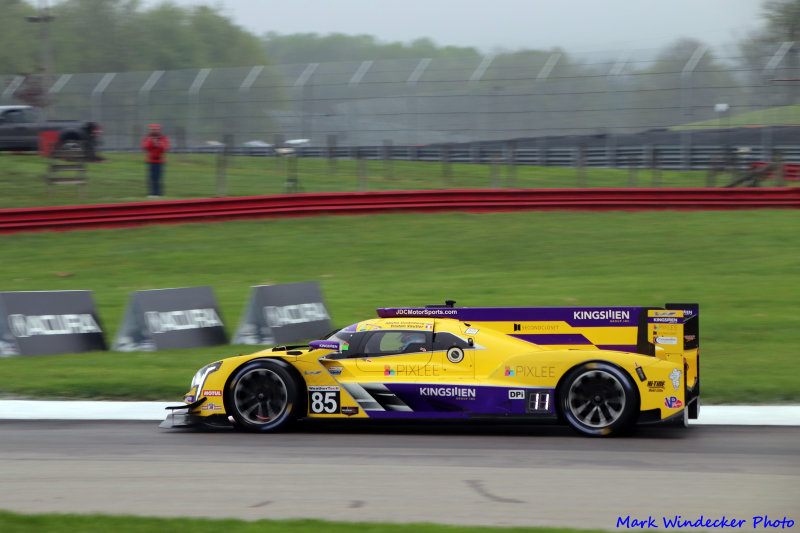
{"x":694,"y":409}
{"x":598,"y":400}
{"x":262,"y":396}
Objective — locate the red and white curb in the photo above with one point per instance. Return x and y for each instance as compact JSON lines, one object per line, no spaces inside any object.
{"x":735,"y":415}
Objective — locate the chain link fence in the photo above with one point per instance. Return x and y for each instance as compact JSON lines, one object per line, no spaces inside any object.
{"x":416,"y":102}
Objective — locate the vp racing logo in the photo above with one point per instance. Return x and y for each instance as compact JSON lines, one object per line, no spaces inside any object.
{"x":23,"y":326}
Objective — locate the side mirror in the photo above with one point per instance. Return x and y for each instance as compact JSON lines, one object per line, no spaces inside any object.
{"x":324,"y":345}
{"x":471,"y":342}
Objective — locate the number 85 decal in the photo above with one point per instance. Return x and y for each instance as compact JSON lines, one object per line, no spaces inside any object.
{"x":323,"y":400}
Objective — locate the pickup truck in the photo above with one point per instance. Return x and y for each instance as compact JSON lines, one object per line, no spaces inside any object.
{"x":20,"y":127}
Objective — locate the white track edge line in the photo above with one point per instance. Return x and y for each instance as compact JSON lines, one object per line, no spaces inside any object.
{"x":738,"y":415}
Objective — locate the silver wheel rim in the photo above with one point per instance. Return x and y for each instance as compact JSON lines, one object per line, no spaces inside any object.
{"x":260,"y":396}
{"x":596,"y":399}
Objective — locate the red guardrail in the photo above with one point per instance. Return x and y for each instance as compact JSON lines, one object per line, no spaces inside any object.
{"x":791,"y":171}
{"x":69,"y":218}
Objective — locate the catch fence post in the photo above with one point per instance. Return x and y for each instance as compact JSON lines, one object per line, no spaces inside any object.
{"x":655,"y":166}
{"x":292,"y":184}
{"x":542,"y":144}
{"x":137,"y":136}
{"x":475,"y":152}
{"x":387,"y":159}
{"x":222,"y":165}
{"x":331,"y":153}
{"x":780,"y":175}
{"x":180,"y":141}
{"x":362,"y":169}
{"x":494,"y":170}
{"x":278,"y":148}
{"x":444,"y":155}
{"x":632,"y":169}
{"x":511,"y":162}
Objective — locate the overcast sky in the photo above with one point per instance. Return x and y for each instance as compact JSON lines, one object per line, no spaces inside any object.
{"x":575,"y":25}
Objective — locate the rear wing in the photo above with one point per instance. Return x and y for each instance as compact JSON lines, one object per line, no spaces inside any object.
{"x":628,"y":329}
{"x":675,"y":329}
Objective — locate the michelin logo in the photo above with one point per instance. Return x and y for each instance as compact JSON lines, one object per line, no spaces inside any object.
{"x":675,"y":376}
{"x":23,"y":326}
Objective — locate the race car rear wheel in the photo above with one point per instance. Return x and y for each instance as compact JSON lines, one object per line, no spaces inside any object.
{"x":598,"y":399}
{"x":262,"y":396}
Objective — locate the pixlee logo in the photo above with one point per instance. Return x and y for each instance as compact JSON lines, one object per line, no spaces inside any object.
{"x":30,"y":325}
{"x":530,"y":371}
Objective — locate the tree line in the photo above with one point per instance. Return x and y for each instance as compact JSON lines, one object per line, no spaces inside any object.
{"x":122,"y":36}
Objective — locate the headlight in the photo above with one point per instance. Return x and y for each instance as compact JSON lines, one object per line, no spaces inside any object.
{"x":200,"y":377}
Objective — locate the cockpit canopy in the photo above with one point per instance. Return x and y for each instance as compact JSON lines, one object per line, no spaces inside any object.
{"x":369,"y":340}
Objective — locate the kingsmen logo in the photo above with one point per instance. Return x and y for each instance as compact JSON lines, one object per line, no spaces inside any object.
{"x":23,"y":326}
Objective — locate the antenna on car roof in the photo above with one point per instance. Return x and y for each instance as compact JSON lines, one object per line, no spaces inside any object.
{"x":447,"y":303}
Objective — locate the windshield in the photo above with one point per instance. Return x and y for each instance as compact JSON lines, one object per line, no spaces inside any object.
{"x":344,"y":336}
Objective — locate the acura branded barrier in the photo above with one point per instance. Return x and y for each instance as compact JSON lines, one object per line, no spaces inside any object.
{"x":283,"y":314}
{"x":55,"y":322}
{"x":163,"y":319}
{"x":49,"y":322}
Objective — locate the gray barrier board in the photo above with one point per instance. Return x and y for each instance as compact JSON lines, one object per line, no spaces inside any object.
{"x":283,"y":314}
{"x":49,"y":322}
{"x":163,"y":319}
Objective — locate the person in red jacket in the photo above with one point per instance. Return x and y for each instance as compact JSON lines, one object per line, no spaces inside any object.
{"x":155,"y":144}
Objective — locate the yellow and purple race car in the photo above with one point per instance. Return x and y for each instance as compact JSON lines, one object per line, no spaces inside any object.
{"x":601,"y":370}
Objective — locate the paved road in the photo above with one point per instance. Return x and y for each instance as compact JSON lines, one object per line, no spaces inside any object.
{"x":493,"y":475}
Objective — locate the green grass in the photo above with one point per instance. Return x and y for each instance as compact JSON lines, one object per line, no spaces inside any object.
{"x":740,"y":266}
{"x":774,"y":116}
{"x":121,"y":178}
{"x":51,"y":523}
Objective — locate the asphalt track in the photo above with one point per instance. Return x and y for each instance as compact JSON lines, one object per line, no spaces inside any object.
{"x":484,"y":474}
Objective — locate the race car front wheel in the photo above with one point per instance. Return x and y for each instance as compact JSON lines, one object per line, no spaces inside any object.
{"x":262,"y":396}
{"x":598,"y":399}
